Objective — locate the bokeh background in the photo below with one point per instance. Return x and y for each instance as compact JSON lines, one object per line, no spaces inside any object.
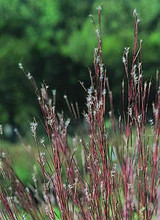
{"x":55,"y":40}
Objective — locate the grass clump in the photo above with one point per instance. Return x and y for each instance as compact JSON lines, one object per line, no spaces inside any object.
{"x":108,"y":175}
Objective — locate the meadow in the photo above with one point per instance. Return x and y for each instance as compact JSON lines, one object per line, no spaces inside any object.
{"x":109,"y":169}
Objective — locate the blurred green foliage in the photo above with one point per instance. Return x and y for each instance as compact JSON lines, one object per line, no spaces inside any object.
{"x":24,"y":160}
{"x":55,"y":40}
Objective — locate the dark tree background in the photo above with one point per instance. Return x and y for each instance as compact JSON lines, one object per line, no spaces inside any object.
{"x":55,"y":40}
